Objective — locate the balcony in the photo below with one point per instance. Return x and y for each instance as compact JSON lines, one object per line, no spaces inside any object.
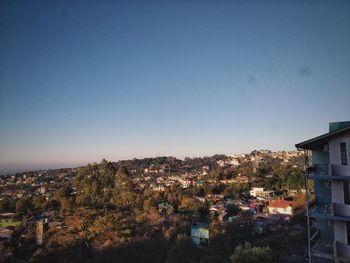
{"x":318,"y":171}
{"x":326,"y":172}
{"x":321,"y":169}
{"x":321,"y":209}
{"x":333,"y":211}
{"x":337,"y":251}
{"x":321,"y":248}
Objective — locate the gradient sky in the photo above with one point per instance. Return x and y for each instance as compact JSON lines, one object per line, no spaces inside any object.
{"x":109,"y":79}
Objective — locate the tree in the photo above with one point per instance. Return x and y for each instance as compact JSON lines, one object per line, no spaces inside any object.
{"x":213,"y":259}
{"x":63,"y":192}
{"x":7,"y":205}
{"x":198,"y":191}
{"x":123,"y":194}
{"x":295,"y":179}
{"x":94,"y":183}
{"x":184,"y":251}
{"x":66,"y":206}
{"x":24,"y":205}
{"x":251,"y":254}
{"x":39,"y":202}
{"x":231,"y":191}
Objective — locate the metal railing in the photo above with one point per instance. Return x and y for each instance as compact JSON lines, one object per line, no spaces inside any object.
{"x":319,"y":169}
{"x":333,"y":170}
{"x":324,"y":209}
{"x":321,"y":247}
{"x":331,"y":211}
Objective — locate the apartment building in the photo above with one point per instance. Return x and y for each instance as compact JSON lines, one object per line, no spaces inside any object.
{"x":327,"y":165}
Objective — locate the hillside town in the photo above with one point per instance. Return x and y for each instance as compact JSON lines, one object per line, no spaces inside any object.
{"x":202,"y":198}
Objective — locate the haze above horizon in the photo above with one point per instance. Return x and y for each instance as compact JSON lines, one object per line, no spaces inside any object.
{"x":82,"y":81}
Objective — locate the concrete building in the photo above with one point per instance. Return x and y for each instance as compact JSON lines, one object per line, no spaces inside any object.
{"x":200,"y":234}
{"x":41,"y":228}
{"x":329,"y":213}
{"x":260,"y":192}
{"x":281,"y":207}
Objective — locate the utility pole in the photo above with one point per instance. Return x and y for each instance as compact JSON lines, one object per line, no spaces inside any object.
{"x":307,"y":203}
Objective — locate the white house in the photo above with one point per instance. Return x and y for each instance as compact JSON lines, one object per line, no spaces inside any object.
{"x":281,"y":206}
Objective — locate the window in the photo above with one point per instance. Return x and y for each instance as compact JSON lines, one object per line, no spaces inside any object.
{"x":348,"y":231}
{"x":346,"y":192}
{"x":343,"y":155}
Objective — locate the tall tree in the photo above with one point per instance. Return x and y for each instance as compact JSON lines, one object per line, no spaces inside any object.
{"x":251,"y":254}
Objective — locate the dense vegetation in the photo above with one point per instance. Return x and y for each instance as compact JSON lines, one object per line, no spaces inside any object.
{"x":109,"y":220}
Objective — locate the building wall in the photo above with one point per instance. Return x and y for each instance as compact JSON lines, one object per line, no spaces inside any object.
{"x":327,"y":193}
{"x":340,"y":232}
{"x":326,"y":230}
{"x":319,"y":156}
{"x":323,"y":191}
{"x":334,"y":153}
{"x":337,"y":186}
{"x":321,"y":260}
{"x":254,"y":190}
{"x":278,"y":210}
{"x":337,"y":192}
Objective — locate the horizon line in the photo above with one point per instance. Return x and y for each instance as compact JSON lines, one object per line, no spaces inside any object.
{"x":8,"y":170}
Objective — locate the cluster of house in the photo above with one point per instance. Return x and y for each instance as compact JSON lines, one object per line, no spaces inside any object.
{"x":158,"y":178}
{"x":8,"y":223}
{"x":259,"y":157}
{"x":266,"y":212}
{"x":160,"y":183}
{"x":11,"y":224}
{"x":186,"y":180}
{"x":161,"y":177}
{"x":21,"y":185}
{"x":33,"y":183}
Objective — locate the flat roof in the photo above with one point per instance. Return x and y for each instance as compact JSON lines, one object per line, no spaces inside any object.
{"x":319,"y":140}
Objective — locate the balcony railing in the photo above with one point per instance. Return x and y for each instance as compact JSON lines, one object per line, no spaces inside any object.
{"x":332,"y":211}
{"x":327,"y":172}
{"x":320,"y":169}
{"x":322,"y":209}
{"x":331,"y":250}
{"x":321,"y":248}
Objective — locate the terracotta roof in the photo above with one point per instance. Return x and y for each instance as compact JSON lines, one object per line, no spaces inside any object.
{"x":281,"y":203}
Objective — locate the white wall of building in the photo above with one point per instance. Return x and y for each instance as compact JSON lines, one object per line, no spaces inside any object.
{"x":334,"y":154}
{"x":254,"y":190}
{"x":340,"y":232}
{"x":337,"y":186}
{"x":279,"y":210}
{"x":337,"y":192}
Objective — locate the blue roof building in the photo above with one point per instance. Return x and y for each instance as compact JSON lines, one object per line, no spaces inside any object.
{"x":200,"y":234}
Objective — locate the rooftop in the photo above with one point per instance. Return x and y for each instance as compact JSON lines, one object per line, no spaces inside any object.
{"x":335,"y":129}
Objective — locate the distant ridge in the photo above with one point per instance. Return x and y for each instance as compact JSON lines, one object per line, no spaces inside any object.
{"x":11,"y":171}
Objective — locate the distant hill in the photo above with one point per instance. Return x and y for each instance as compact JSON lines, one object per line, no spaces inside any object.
{"x":11,"y":171}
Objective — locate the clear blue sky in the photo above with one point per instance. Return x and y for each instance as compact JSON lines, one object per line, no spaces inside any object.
{"x":84,"y":81}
